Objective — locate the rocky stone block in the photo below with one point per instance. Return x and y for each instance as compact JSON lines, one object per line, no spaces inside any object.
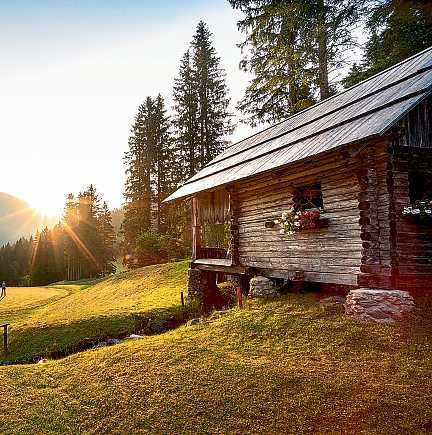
{"x":262,"y":287}
{"x":379,"y":306}
{"x":197,"y":285}
{"x":193,"y":322}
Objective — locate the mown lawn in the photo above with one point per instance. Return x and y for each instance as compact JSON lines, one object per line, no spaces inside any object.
{"x":279,"y":367}
{"x":19,"y":299}
{"x":55,"y":320}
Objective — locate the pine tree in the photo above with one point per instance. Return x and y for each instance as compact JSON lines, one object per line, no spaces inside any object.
{"x":137,"y":189}
{"x":186,"y":118}
{"x":201,"y":119}
{"x":397,"y":30}
{"x":151,"y":171}
{"x":108,"y":236}
{"x":214,"y":120}
{"x":291,"y":48}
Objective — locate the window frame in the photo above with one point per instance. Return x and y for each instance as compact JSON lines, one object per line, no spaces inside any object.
{"x":299,"y":193}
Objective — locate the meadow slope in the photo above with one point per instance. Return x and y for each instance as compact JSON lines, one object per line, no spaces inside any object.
{"x":277,"y":367}
{"x":56,"y":319}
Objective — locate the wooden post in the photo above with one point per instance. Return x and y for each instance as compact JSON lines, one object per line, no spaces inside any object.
{"x":239,"y":297}
{"x":182,"y":299}
{"x":5,"y":337}
{"x":196,"y":229}
{"x":234,"y":227}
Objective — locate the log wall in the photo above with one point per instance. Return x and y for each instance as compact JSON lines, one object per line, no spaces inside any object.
{"x":412,"y":239}
{"x":330,"y":255}
{"x":375,"y":208}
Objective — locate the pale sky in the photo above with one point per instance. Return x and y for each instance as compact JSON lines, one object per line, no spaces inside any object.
{"x":72,"y":74}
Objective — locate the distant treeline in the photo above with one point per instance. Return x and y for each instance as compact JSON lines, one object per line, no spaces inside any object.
{"x":80,"y":246}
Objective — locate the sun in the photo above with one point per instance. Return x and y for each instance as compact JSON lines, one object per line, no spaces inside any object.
{"x":47,"y":206}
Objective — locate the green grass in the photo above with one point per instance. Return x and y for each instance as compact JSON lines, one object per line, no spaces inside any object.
{"x":119,"y":266}
{"x":55,"y":320}
{"x":277,"y":367}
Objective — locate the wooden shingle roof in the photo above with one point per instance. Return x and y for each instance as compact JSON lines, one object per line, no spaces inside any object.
{"x":368,"y":109}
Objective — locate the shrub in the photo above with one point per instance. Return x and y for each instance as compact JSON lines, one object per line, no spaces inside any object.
{"x":228,"y":292}
{"x":153,"y":247}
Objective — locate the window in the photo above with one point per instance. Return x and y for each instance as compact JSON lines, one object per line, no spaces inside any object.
{"x":308,"y":197}
{"x":420,"y":186}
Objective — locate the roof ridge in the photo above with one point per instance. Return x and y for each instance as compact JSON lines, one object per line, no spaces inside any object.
{"x":336,"y":95}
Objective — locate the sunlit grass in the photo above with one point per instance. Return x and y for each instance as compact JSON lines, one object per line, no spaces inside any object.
{"x":21,"y":298}
{"x":67,"y":313}
{"x":279,"y":367}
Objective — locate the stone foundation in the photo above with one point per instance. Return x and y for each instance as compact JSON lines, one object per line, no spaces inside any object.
{"x":197,"y":285}
{"x":262,"y":287}
{"x":379,"y":306}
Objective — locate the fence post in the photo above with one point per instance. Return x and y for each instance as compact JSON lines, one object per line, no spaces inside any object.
{"x":239,"y":297}
{"x":182,"y":298}
{"x":5,"y":337}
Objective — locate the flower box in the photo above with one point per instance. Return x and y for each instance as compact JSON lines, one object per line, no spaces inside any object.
{"x":320,"y":223}
{"x":292,"y":221}
{"x":420,"y":212}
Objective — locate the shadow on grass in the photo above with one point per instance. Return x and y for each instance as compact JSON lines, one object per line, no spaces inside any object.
{"x":60,"y":340}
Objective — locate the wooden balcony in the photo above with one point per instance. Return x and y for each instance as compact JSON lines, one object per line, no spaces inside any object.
{"x":216,"y":253}
{"x":215,"y":260}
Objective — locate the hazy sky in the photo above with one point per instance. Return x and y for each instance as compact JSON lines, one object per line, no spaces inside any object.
{"x":72,"y":74}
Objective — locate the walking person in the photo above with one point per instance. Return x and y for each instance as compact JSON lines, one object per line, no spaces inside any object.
{"x":3,"y":293}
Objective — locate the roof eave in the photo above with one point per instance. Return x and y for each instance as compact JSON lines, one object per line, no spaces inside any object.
{"x":359,"y":142}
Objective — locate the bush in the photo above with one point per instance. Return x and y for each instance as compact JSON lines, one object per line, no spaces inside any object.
{"x":155,"y":247}
{"x":228,"y":292}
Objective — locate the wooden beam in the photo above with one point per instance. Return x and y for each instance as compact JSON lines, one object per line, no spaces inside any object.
{"x":196,"y":228}
{"x":212,"y":266}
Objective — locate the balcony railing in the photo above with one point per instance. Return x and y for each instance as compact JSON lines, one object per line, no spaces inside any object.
{"x":217,"y":253}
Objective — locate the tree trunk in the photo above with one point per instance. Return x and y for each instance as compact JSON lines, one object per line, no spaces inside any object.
{"x":322,"y":52}
{"x":292,"y":67}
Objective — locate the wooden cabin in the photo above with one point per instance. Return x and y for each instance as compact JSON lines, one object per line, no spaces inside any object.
{"x":360,"y":157}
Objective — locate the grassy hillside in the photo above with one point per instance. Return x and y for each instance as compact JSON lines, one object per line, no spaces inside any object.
{"x":54,"y":320}
{"x":277,"y":367}
{"x":281,"y":367}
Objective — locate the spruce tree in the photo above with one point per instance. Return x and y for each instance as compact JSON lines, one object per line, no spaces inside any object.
{"x":89,"y":239}
{"x":44,"y":267}
{"x":214,"y":120}
{"x":86,"y":236}
{"x":71,"y":249}
{"x":163,"y":165}
{"x":291,"y":47}
{"x":397,"y":30}
{"x":107,"y":236}
{"x":151,"y":171}
{"x":137,"y":189}
{"x":201,"y":101}
{"x":186,"y":118}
